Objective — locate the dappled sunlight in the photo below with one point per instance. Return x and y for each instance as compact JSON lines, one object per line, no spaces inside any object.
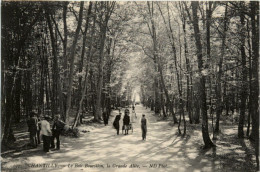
{"x":192,"y":155}
{"x":36,"y":159}
{"x":163,"y":145}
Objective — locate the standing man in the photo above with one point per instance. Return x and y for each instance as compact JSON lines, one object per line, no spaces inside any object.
{"x":57,"y":127}
{"x":32,"y":128}
{"x":144,"y":127}
{"x":46,"y":133}
{"x":126,"y":121}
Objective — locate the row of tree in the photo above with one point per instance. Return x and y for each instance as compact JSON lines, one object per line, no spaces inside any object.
{"x":202,"y":61}
{"x":61,"y":56}
{"x":194,"y":58}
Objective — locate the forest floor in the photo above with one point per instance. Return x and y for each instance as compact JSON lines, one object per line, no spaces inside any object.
{"x":164,"y":150}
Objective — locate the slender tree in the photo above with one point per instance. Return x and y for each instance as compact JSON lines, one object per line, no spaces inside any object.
{"x":205,"y":133}
{"x":72,"y":57}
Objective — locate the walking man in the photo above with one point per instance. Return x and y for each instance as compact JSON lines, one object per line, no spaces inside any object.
{"x":57,"y":127}
{"x":144,"y":127}
{"x":46,"y":133}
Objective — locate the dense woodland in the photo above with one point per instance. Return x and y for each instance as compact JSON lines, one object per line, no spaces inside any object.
{"x":197,"y":62}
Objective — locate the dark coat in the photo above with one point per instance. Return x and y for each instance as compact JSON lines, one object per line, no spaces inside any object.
{"x":126,"y":120}
{"x":105,"y":117}
{"x":143,"y":122}
{"x":32,"y":125}
{"x":116,"y":121}
{"x":144,"y":125}
{"x":58,"y":125}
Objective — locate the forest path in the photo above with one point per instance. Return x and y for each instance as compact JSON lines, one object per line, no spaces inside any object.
{"x":101,"y":146}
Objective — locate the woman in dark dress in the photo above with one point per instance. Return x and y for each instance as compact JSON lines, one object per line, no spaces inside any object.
{"x":126,"y":121}
{"x":116,"y":123}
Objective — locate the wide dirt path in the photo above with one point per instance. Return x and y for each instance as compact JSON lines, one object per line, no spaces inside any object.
{"x":102,"y":150}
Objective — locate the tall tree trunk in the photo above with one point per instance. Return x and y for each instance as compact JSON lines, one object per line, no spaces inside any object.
{"x":100,"y":69}
{"x":160,"y":66}
{"x":208,"y":65}
{"x":81,"y":63}
{"x":156,"y":101}
{"x":17,"y":99}
{"x":243,"y":91}
{"x":162,"y":100}
{"x":103,"y":29}
{"x":219,"y":105}
{"x":188,"y":75}
{"x":83,"y":91}
{"x":205,"y":133}
{"x":64,"y":84}
{"x":254,"y":11}
{"x":56,"y":80}
{"x":72,"y":57}
{"x":8,"y":109}
{"x":181,"y":105}
{"x":250,"y":82}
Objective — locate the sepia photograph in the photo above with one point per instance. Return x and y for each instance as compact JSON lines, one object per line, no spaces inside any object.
{"x":129,"y":86}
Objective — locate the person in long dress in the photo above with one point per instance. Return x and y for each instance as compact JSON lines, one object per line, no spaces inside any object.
{"x":126,"y":121}
{"x":116,"y":123}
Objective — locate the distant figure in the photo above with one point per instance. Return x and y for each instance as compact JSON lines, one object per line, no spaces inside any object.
{"x":144,"y":127}
{"x":57,"y":127}
{"x":126,"y":121}
{"x":116,"y":123}
{"x":46,"y":133}
{"x":105,"y":116}
{"x":32,"y":128}
{"x":133,"y":107}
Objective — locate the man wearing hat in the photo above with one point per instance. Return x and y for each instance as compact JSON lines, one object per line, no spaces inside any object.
{"x":46,"y":133}
{"x":56,"y":129}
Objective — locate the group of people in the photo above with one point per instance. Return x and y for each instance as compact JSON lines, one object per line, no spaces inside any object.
{"x":126,"y":123}
{"x":40,"y":129}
